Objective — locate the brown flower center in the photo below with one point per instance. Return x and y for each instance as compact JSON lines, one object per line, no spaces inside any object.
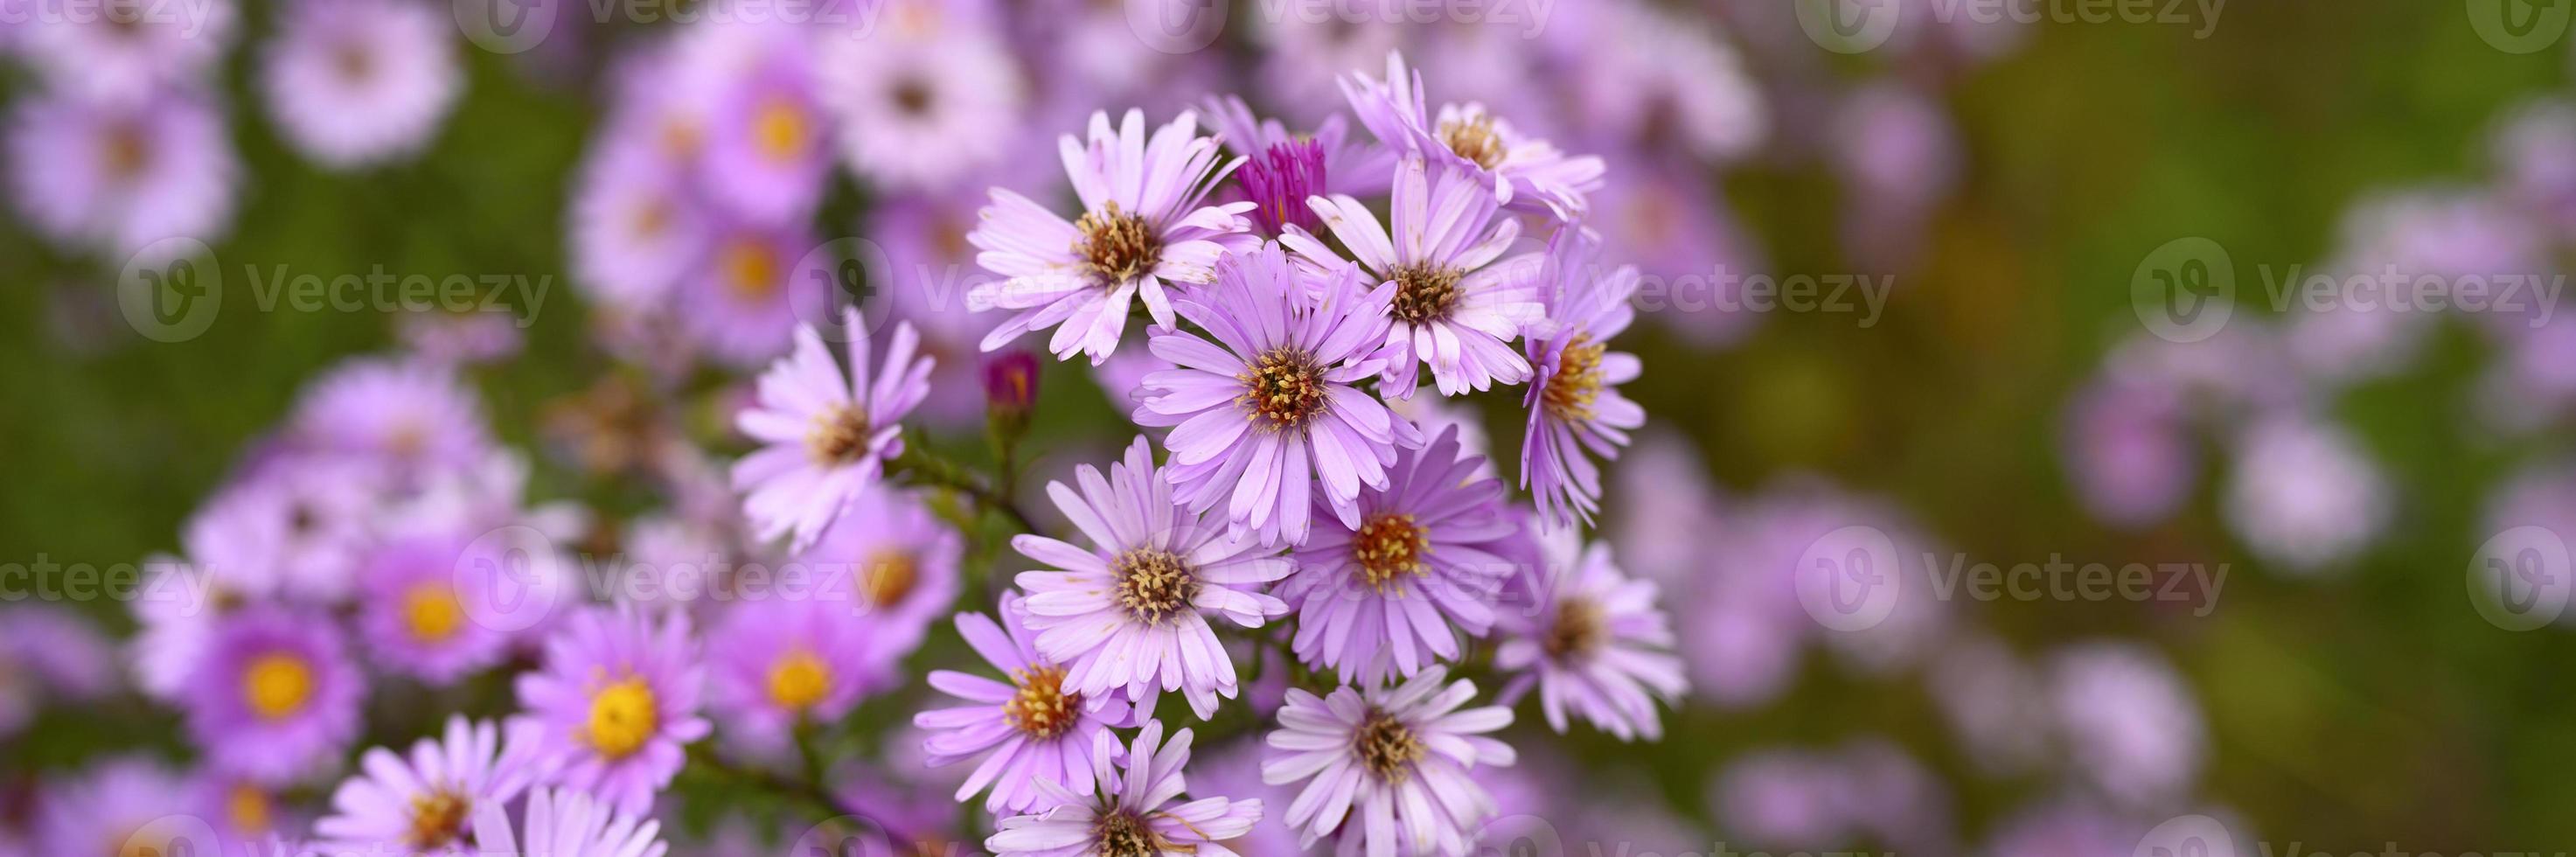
{"x":840,"y":435}
{"x":1121,"y":834}
{"x":912,"y":96}
{"x":1578,"y":629}
{"x":1473,"y":139}
{"x":887,"y":577}
{"x":1153,"y":584}
{"x":1042,"y":708}
{"x":1424,"y":292}
{"x":126,"y":151}
{"x":1388,"y":545}
{"x":751,"y":270}
{"x":1577,"y":383}
{"x":1117,"y":247}
{"x":437,"y":819}
{"x":1387,"y":746}
{"x":1284,"y":387}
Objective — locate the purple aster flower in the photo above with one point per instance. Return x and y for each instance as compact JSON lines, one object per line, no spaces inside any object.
{"x":1271,"y":406}
{"x":1032,"y":729}
{"x":408,"y":412}
{"x":1142,"y":226}
{"x":1132,"y":813}
{"x":1689,"y":249}
{"x":1783,"y":798}
{"x":1575,"y":409}
{"x":777,"y":662}
{"x":826,"y":435}
{"x":892,"y":563}
{"x":49,"y":652}
{"x":122,"y":806}
{"x":2065,"y":826}
{"x":2303,"y":495}
{"x":740,"y":299}
{"x":636,"y":222}
{"x":568,"y":823}
{"x":1521,"y":171}
{"x":416,"y":611}
{"x":1450,"y":303}
{"x":1392,"y":769}
{"x":767,"y":148}
{"x":1132,"y":611}
{"x":2130,"y":723}
{"x":1283,"y":170}
{"x":121,"y":175}
{"x":126,"y":50}
{"x":1648,"y":74}
{"x":1382,"y":597}
{"x":1593,"y":642}
{"x":616,"y":703}
{"x":1993,"y":703}
{"x":2129,"y":450}
{"x":925,"y":102}
{"x":425,"y":804}
{"x":240,"y":810}
{"x":276,"y":695}
{"x":359,"y":82}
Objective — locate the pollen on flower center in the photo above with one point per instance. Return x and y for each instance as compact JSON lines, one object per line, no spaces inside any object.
{"x":437,"y":819}
{"x":1042,"y":708}
{"x":840,"y":435}
{"x":1424,"y":292}
{"x":1578,"y":629}
{"x":1283,"y":388}
{"x":1577,"y":382}
{"x":798,"y":680}
{"x":277,"y":685}
{"x":622,"y":716}
{"x":1473,"y":139}
{"x":887,"y":577}
{"x":431,"y":613}
{"x":247,"y":807}
{"x":1388,"y":545}
{"x":1117,"y":247}
{"x":1121,"y":834}
{"x":912,"y":96}
{"x":751,"y":270}
{"x":127,"y":151}
{"x":778,"y":130}
{"x":1387,"y":746}
{"x":1153,"y":585}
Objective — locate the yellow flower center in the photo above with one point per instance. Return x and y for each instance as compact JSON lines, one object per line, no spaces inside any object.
{"x":1117,"y":247}
{"x":1388,"y":545}
{"x":1122,"y":834}
{"x":277,"y":685}
{"x":432,"y":613}
{"x":248,"y":808}
{"x":1153,"y":585}
{"x":1424,"y":292}
{"x":622,"y":718}
{"x":1386,"y":746}
{"x":1577,"y":383}
{"x":1284,"y":388}
{"x":779,"y":130}
{"x":1473,"y":139}
{"x":751,"y":270}
{"x":1042,"y":709}
{"x":799,"y":680}
{"x":888,"y":576}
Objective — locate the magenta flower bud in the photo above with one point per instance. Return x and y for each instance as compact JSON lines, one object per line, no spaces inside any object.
{"x":1011,"y":382}
{"x":1279,"y":180}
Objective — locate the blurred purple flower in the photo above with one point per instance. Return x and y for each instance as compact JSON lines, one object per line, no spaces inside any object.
{"x":120,"y":176}
{"x":425,"y":804}
{"x":276,"y":696}
{"x":354,"y":83}
{"x":616,"y":703}
{"x":826,"y":435}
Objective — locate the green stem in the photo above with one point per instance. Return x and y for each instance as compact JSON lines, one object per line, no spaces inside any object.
{"x":928,"y":469}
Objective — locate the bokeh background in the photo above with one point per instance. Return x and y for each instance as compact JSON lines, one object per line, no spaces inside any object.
{"x":2342,"y":691}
